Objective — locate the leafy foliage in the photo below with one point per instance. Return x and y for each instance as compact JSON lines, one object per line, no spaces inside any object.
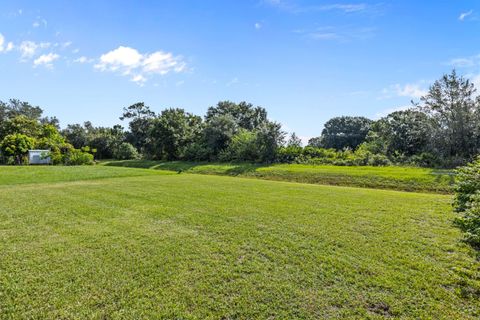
{"x":345,"y":132}
{"x":173,"y":131}
{"x":16,"y":146}
{"x":467,"y":201}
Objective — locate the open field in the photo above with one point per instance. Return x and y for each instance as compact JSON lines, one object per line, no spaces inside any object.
{"x":396,"y":178}
{"x":99,"y":242}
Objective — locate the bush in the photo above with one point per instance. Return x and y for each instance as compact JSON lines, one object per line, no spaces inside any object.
{"x":243,"y":147}
{"x":197,"y":151}
{"x":77,"y":157}
{"x":125,"y":151}
{"x":467,"y":201}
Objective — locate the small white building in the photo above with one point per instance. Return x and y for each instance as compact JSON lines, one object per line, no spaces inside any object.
{"x":39,"y":157}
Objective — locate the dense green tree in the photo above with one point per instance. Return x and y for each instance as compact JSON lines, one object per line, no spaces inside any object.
{"x":218,"y":132}
{"x":345,"y":132}
{"x":405,"y":132}
{"x":103,"y":141}
{"x":269,"y":137}
{"x":76,"y":134}
{"x":244,"y":114}
{"x":243,"y":147}
{"x":16,"y":146}
{"x":173,"y":131}
{"x":20,"y":124}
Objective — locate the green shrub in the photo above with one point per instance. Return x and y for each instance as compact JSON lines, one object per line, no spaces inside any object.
{"x":125,"y":151}
{"x":76,"y":157}
{"x":467,"y":201}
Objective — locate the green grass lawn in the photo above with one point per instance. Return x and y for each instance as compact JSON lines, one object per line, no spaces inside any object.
{"x":396,"y":178}
{"x":118,"y":243}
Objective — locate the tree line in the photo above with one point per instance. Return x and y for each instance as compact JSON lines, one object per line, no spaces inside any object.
{"x":442,"y":129}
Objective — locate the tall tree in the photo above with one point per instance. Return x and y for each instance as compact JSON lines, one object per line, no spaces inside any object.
{"x":245,"y":114}
{"x":406,"y":132}
{"x":173,"y":131}
{"x":141,"y":123}
{"x":451,"y":102}
{"x":219,"y":131}
{"x":345,"y":132}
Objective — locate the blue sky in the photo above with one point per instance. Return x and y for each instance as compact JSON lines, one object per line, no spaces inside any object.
{"x":305,"y":61}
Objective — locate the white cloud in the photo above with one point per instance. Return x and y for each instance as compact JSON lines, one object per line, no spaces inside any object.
{"x":162,"y":63}
{"x":29,"y":48}
{"x":36,"y":24}
{"x":3,"y":48}
{"x":46,"y":60}
{"x":122,"y":58}
{"x":10,"y":46}
{"x":129,"y":62}
{"x":258,"y":25}
{"x":139,"y":79}
{"x":410,"y":90}
{"x":83,"y":59}
{"x":463,"y":15}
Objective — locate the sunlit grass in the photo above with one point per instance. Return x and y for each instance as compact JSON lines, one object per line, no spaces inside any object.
{"x":184,"y":246}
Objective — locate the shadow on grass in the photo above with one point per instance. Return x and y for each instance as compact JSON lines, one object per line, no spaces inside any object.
{"x":152,"y":164}
{"x":233,"y":169}
{"x":243,"y":168}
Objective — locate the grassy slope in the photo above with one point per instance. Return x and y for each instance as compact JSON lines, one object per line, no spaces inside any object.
{"x":193,"y":246}
{"x":397,"y":178}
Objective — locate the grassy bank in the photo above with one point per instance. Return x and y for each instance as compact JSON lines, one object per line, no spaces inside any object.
{"x":396,"y":178}
{"x":152,"y":245}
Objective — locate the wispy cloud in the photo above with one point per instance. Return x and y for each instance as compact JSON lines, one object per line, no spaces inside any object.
{"x":295,"y":7}
{"x":39,"y":21}
{"x":28,"y":48}
{"x":465,"y":62}
{"x":46,"y":60}
{"x":138,"y":66}
{"x":342,"y":34}
{"x":410,"y":90}
{"x":464,"y":15}
{"x":258,"y":25}
{"x":83,"y":59}
{"x":4,"y":46}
